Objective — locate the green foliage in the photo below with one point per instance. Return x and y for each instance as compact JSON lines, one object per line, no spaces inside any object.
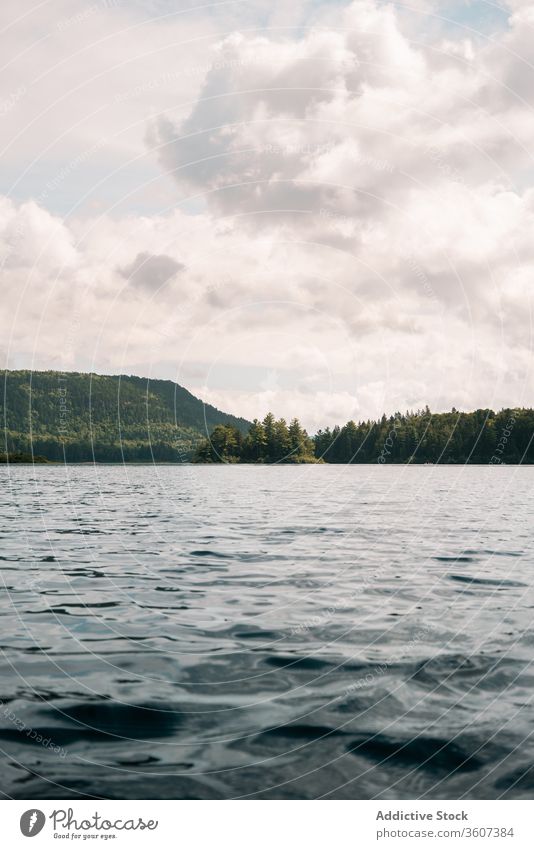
{"x":20,"y":457}
{"x":255,"y":443}
{"x":86,"y":417}
{"x":223,"y":446}
{"x":479,"y":437}
{"x":270,"y":441}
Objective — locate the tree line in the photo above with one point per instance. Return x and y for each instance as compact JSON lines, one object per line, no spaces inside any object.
{"x":482,"y":436}
{"x":269,"y":441}
{"x":77,"y":417}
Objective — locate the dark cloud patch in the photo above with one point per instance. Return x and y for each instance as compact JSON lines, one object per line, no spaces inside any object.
{"x":151,"y":271}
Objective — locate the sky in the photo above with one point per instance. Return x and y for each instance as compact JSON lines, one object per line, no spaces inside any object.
{"x":323,"y":209}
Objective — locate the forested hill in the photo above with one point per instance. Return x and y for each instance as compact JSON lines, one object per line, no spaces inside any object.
{"x":81,"y":417}
{"x":84,"y":417}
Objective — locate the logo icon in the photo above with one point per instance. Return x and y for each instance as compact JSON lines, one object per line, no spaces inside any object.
{"x":32,"y":822}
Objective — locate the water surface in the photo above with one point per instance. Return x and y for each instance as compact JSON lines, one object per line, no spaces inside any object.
{"x":274,"y":632}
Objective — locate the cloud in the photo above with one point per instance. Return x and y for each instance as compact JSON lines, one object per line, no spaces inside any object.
{"x":151,"y":272}
{"x":347,"y":204}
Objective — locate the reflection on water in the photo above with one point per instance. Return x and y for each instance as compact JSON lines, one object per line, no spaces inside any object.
{"x":197,"y":632}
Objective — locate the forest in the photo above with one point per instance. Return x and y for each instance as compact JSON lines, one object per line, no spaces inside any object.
{"x":81,"y":417}
{"x":269,"y":441}
{"x":77,"y":417}
{"x":482,"y":436}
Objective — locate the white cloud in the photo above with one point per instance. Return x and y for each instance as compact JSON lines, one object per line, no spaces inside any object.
{"x":353,"y":232}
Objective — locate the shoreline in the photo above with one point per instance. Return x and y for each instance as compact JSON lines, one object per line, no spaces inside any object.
{"x":56,"y":463}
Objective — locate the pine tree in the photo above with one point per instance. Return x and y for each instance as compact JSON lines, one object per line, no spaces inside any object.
{"x":255,"y":443}
{"x":282,"y":445}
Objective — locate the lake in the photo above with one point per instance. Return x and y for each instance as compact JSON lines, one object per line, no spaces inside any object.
{"x":348,"y":632}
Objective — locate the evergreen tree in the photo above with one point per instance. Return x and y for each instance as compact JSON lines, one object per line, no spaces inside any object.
{"x":255,"y":442}
{"x":269,"y":427}
{"x":282,"y":446}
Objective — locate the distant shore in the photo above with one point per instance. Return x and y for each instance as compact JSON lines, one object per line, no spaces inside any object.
{"x":43,"y":462}
{"x":79,"y":418}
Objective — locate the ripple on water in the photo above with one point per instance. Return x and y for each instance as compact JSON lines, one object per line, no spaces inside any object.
{"x":431,"y":754}
{"x":254,"y":632}
{"x":485,"y":582}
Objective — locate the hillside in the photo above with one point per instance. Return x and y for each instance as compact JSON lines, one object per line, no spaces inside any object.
{"x":85,"y":417}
